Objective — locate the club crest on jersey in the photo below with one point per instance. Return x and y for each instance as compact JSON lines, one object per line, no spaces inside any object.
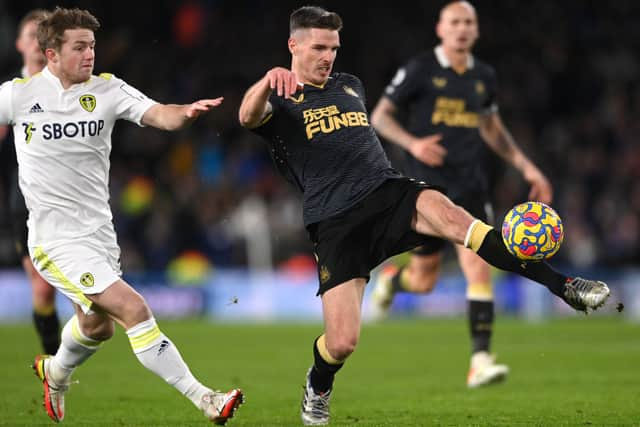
{"x":480,"y":89}
{"x":439,"y":82}
{"x":88,"y":102}
{"x":87,"y":280}
{"x":350,"y":91}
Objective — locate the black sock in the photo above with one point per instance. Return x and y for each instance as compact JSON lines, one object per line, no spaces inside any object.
{"x":322,"y":372}
{"x":480,"y":324}
{"x":395,"y":281}
{"x":48,"y":328}
{"x":495,"y":253}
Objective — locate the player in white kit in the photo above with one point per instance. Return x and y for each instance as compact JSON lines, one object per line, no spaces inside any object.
{"x":62,"y":119}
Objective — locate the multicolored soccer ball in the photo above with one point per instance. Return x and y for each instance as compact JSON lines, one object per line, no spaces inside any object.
{"x":532,"y":231}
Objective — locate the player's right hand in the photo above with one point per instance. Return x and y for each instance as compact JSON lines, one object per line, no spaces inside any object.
{"x":4,"y":130}
{"x":283,"y":81}
{"x":428,"y":150}
{"x":202,"y":106}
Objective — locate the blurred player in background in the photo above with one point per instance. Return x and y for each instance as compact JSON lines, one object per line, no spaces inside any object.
{"x":357,"y":209}
{"x":62,"y":120}
{"x":45,"y":318}
{"x":449,"y":97}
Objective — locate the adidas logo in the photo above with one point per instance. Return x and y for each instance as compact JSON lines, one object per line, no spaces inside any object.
{"x":163,"y":346}
{"x":36,"y":108}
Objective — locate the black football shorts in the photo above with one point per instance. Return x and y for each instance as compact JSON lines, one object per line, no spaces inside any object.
{"x":349,"y":245}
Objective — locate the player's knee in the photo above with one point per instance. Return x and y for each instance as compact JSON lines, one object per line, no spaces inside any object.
{"x":456,"y":221}
{"x":136,"y":310}
{"x":424,"y":284}
{"x":457,"y":217}
{"x":342,"y":347}
{"x":43,"y":292}
{"x":424,"y":274}
{"x":139,"y":312}
{"x":101,"y":331}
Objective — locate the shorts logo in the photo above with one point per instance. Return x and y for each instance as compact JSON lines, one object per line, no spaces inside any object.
{"x":439,"y":82}
{"x":325,"y":275}
{"x":480,"y":88}
{"x":87,"y":280}
{"x":88,"y":102}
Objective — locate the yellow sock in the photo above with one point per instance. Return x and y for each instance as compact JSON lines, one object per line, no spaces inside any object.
{"x":324,"y":353}
{"x":476,"y":233}
{"x":480,"y":291}
{"x":44,"y":310}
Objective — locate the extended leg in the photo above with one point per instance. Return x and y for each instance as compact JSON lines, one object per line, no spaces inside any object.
{"x":341,"y":308}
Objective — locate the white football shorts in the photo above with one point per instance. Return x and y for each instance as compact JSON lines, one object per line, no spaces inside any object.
{"x":87,"y":265}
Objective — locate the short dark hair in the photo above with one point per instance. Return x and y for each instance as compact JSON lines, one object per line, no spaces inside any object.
{"x":36,"y":15}
{"x":314,"y":17}
{"x":51,"y":30}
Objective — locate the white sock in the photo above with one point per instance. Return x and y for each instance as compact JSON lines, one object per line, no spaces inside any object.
{"x":158,"y":354}
{"x":75,"y":348}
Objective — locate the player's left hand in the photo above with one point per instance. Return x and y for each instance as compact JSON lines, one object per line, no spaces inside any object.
{"x":541,"y":189}
{"x":202,"y":106}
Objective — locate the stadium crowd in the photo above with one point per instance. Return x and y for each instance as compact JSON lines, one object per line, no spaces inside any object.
{"x":569,"y":92}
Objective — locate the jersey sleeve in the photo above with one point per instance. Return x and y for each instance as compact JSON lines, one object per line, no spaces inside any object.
{"x":6,"y":108}
{"x":271,"y":116}
{"x":359,"y":88}
{"x":130,"y":103}
{"x":405,"y":84}
{"x":491,"y":103}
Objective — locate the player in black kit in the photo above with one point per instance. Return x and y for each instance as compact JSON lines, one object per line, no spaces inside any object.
{"x":45,"y":318}
{"x":449,"y":99}
{"x":357,"y":209}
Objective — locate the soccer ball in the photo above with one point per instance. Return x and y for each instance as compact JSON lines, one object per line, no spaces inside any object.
{"x":532,"y":231}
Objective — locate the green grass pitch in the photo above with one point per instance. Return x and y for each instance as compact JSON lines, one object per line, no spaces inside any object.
{"x":582,"y":371}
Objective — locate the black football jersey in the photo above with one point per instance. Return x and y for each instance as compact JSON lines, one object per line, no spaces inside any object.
{"x":436,"y":99}
{"x":321,"y":141}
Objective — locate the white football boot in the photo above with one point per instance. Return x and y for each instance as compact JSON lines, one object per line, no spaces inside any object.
{"x":53,"y":392}
{"x":219,"y":407}
{"x":315,"y":407}
{"x":586,"y":295}
{"x":484,"y":370}
{"x":382,"y":295}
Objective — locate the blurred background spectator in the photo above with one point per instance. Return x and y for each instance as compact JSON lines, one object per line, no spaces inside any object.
{"x":569,"y":92}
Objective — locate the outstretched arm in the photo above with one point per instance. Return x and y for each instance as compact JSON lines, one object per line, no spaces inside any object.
{"x":497,"y":137}
{"x":255,"y":104}
{"x":174,"y":117}
{"x":426,"y":149}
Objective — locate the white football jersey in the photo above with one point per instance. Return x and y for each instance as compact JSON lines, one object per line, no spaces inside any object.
{"x":63,"y":143}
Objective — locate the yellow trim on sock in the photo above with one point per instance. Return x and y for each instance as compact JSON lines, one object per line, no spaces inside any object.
{"x":478,"y":233}
{"x":405,"y":284}
{"x":145,"y":338}
{"x":46,"y":264}
{"x":480,"y":291}
{"x":44,"y":310}
{"x":324,"y":353}
{"x":77,"y":334}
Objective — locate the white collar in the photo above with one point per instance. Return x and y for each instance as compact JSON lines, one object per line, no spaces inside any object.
{"x":25,"y":72}
{"x":444,"y":62}
{"x":56,"y":81}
